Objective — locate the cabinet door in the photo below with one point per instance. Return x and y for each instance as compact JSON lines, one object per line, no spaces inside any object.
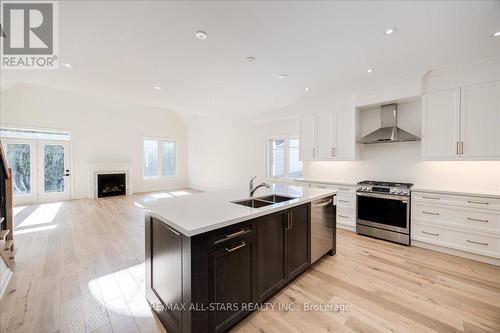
{"x":231,"y":275}
{"x":298,"y":251}
{"x":307,"y":138}
{"x":345,"y":141}
{"x":164,"y":257}
{"x":480,"y":117}
{"x":271,"y":274}
{"x":325,"y":140}
{"x":441,"y":124}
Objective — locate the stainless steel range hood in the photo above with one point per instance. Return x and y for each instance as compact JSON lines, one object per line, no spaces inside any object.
{"x":389,"y":132}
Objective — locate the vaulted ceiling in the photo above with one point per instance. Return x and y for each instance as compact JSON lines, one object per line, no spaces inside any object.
{"x":123,"y":49}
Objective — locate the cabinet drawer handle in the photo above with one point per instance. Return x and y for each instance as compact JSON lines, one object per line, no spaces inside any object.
{"x":243,"y":244}
{"x":479,"y":243}
{"x":478,"y":220}
{"x":344,"y":201}
{"x":344,"y":217}
{"x":478,"y":202}
{"x":343,"y":189}
{"x":319,"y":186}
{"x":433,"y":198}
{"x":237,"y":233}
{"x":430,"y":233}
{"x":429,"y":213}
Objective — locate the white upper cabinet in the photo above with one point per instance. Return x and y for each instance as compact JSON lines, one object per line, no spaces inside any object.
{"x":480,"y":130}
{"x":325,"y":135}
{"x":328,"y":136}
{"x":307,"y":150}
{"x":441,"y":124}
{"x":345,"y":141}
{"x":462,"y":123}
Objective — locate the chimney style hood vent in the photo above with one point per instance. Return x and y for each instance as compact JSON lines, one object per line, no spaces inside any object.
{"x":389,"y":132}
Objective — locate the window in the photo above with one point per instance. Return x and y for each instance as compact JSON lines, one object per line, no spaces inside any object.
{"x":159,"y":158}
{"x":284,"y":158}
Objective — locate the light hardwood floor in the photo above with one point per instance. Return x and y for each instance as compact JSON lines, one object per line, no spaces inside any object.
{"x":80,"y":269}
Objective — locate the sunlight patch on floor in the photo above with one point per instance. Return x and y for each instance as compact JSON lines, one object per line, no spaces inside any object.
{"x":161,"y":195}
{"x":35,"y":229}
{"x":42,"y":215}
{"x":179,"y":193}
{"x":18,"y":209}
{"x":110,"y":288}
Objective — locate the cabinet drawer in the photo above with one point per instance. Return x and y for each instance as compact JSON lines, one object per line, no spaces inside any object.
{"x":223,"y":237}
{"x":346,"y":216}
{"x":462,"y":240}
{"x":346,"y":189}
{"x":461,"y":200}
{"x":469,"y":217}
{"x":346,"y":201}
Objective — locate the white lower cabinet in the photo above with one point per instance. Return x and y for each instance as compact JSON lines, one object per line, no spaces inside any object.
{"x":346,"y":202}
{"x":460,"y":222}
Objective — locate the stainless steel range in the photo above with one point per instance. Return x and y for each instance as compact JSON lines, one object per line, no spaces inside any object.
{"x":383,"y":210}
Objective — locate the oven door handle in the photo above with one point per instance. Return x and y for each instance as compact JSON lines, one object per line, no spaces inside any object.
{"x":384,"y":196}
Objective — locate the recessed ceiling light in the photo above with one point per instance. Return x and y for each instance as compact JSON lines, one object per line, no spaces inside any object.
{"x":390,"y":31}
{"x":67,"y":65}
{"x":496,"y":34}
{"x":250,"y":111}
{"x":201,"y":35}
{"x":250,"y":59}
{"x":369,"y":70}
{"x":213,"y":102}
{"x":282,"y":76}
{"x":306,"y":89}
{"x":156,"y":88}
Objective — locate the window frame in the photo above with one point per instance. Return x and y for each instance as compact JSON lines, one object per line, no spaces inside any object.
{"x":160,"y":160}
{"x":269,"y":156}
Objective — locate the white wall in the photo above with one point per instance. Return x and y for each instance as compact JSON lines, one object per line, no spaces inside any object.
{"x":104,"y":130}
{"x":225,"y":153}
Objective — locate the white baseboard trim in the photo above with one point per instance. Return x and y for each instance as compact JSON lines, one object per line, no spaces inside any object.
{"x":458,"y":253}
{"x":196,"y":188}
{"x":5,"y":282}
{"x":346,"y":227}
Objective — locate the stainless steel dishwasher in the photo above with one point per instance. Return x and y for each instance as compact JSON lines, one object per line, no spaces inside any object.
{"x":323,"y":227}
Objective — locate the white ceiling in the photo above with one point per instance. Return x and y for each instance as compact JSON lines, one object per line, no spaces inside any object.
{"x":124,"y":48}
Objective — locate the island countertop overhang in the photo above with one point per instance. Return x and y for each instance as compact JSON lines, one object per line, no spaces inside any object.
{"x":198,"y":213}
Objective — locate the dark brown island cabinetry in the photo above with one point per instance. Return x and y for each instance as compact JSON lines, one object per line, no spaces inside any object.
{"x":210,"y":282}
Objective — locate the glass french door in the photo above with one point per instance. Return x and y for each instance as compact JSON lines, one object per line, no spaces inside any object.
{"x":53,"y":171}
{"x":40,"y":170}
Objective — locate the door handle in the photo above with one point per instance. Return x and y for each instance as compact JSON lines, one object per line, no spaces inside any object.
{"x":458,"y":149}
{"x":331,"y":152}
{"x":462,"y":148}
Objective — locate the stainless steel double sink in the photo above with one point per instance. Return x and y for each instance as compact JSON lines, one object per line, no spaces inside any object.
{"x":263,"y":201}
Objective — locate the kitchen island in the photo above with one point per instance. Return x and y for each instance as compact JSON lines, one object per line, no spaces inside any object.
{"x":210,"y":261}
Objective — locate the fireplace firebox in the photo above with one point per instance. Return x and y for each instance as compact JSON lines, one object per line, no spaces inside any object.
{"x":111,"y":184}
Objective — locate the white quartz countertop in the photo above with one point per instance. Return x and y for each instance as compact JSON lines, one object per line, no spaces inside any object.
{"x":457,"y":191}
{"x":201,"y":212}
